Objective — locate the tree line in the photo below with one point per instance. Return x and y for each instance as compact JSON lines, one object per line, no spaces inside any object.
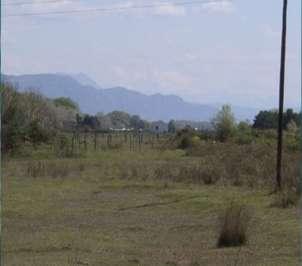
{"x":269,"y":119}
{"x":113,"y":120}
{"x":29,"y":117}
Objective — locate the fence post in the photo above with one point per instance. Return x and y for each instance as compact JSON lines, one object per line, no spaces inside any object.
{"x":95,"y":140}
{"x":85,"y":140}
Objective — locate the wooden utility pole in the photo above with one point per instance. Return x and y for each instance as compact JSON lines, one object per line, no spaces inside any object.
{"x":95,"y":140}
{"x":1,"y":178}
{"x":281,"y":96}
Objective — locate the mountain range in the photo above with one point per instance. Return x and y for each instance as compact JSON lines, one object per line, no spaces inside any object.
{"x":93,"y":99}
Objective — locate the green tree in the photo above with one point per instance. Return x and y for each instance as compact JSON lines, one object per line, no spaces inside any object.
{"x":224,"y":123}
{"x":266,"y":120}
{"x":66,"y":103}
{"x":171,"y":126}
{"x":244,"y":126}
{"x":11,"y":118}
{"x":119,"y":119}
{"x":37,"y":134}
{"x":269,"y":119}
{"x":104,"y":121}
{"x":90,"y":121}
{"x":26,"y":116}
{"x":137,"y":123}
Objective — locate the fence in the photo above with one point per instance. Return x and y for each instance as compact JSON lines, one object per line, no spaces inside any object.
{"x":74,"y":143}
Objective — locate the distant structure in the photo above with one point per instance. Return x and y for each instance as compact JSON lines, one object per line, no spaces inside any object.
{"x":121,"y":129}
{"x":159,"y":127}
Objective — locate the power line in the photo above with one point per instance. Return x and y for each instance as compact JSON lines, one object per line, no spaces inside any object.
{"x":18,"y":3}
{"x":108,"y":9}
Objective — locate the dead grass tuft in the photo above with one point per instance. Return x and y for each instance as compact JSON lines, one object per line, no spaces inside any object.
{"x":234,"y":225}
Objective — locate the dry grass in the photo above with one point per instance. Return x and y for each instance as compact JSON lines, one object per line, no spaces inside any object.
{"x":53,"y":168}
{"x":234,"y":226}
{"x":251,"y":165}
{"x":152,"y":208}
{"x":286,"y":198}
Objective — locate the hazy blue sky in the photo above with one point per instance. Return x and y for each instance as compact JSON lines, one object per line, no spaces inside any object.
{"x":206,"y":52}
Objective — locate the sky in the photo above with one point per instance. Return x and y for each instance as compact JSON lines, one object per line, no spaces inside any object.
{"x":205,"y":52}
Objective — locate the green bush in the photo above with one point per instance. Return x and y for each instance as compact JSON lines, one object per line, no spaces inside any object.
{"x":244,"y":133}
{"x":37,"y":134}
{"x":189,"y":141}
{"x":243,"y":139}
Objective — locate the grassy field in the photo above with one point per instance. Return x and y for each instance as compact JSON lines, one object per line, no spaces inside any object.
{"x":112,"y":208}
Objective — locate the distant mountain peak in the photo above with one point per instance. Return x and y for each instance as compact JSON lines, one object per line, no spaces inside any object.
{"x":85,"y":80}
{"x":168,"y":96}
{"x":91,"y":99}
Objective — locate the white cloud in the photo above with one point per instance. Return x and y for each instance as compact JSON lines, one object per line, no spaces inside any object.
{"x":224,"y":6}
{"x":145,"y":8}
{"x":170,"y":9}
{"x":38,"y":6}
{"x":139,"y":8}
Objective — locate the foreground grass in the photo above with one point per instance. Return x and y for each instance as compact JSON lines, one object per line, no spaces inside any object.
{"x":96,"y":216}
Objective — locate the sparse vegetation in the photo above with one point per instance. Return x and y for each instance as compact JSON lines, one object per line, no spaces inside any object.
{"x":84,"y":194}
{"x":286,"y":198}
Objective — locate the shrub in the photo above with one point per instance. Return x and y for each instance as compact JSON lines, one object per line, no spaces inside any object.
{"x":285,"y":199}
{"x":209,"y":174}
{"x":164,"y":172}
{"x":244,"y":133}
{"x":189,"y":142}
{"x":37,"y":134}
{"x":234,"y":226}
{"x":244,"y":138}
{"x":185,"y":143}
